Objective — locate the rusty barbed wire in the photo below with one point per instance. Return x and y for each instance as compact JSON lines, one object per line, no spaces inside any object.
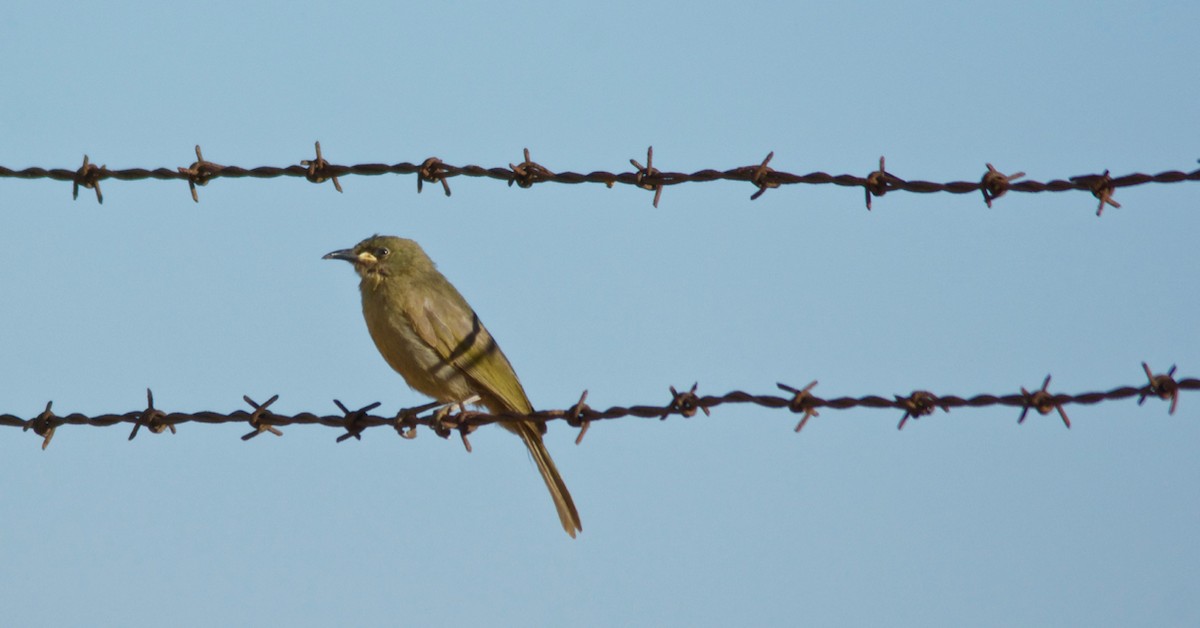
{"x":446,"y":419}
{"x":993,"y":184}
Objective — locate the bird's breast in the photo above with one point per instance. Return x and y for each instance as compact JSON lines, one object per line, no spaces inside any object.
{"x":423,"y":368}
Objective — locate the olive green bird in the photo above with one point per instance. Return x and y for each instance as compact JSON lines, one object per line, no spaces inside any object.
{"x":429,"y":334}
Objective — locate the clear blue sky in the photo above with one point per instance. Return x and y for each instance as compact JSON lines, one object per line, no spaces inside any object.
{"x":960,"y":519}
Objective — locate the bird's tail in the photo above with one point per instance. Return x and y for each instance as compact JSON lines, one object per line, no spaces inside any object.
{"x":528,"y":431}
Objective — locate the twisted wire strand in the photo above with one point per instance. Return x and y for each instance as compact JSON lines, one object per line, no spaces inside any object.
{"x":446,"y":419}
{"x":992,"y":185}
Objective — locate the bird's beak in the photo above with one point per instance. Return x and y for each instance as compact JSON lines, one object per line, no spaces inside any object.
{"x":344,"y":254}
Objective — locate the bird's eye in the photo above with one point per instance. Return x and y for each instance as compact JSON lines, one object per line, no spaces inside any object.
{"x":381,"y":252}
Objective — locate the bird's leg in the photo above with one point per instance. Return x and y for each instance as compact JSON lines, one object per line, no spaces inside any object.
{"x":462,"y":407}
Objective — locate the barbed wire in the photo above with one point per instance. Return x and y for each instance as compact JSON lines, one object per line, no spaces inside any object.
{"x":445,"y":419}
{"x":992,"y":185}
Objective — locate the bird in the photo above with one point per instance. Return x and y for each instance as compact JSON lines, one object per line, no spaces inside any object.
{"x":427,"y":332}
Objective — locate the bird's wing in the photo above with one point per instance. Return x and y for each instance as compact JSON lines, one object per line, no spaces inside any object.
{"x":443,"y":320}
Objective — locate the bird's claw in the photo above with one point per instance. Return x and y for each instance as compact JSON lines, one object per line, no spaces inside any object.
{"x":437,"y":422}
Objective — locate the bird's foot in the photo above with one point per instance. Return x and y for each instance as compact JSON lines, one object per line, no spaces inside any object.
{"x":438,"y":421}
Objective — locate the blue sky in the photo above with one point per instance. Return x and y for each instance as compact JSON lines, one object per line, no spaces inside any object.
{"x":960,"y":519}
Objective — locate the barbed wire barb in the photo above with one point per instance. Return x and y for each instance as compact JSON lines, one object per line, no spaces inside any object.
{"x":995,"y":183}
{"x":432,"y":171}
{"x":1101,"y":187}
{"x":260,"y":417}
{"x":528,"y":172}
{"x":878,"y":183}
{"x":802,"y":402}
{"x":647,"y":177}
{"x":354,"y":420}
{"x":574,"y":419}
{"x":151,"y":418}
{"x":319,"y":170}
{"x":88,"y":176}
{"x":43,"y":425}
{"x":762,"y":178}
{"x":1043,"y":402}
{"x":1162,"y":386}
{"x":199,"y":173}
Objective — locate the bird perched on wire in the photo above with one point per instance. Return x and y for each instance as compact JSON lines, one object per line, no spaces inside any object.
{"x":429,"y":334}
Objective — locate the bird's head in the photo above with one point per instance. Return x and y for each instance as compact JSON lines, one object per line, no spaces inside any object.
{"x":379,"y":256}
